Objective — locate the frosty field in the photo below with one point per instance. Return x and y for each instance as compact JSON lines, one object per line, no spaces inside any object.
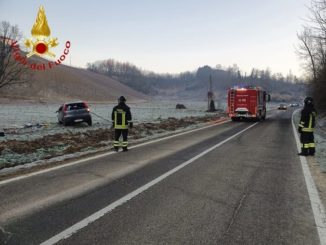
{"x":14,"y":115}
{"x":27,"y":121}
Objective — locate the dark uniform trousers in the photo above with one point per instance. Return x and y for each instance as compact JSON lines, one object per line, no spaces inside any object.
{"x":306,"y":129}
{"x":117,"y":134}
{"x":307,"y":143}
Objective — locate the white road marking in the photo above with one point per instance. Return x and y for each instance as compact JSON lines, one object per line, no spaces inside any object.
{"x":316,"y":205}
{"x":85,"y":222}
{"x":103,"y":155}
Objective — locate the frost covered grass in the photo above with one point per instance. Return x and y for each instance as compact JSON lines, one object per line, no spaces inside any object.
{"x":48,"y":140}
{"x":320,"y":138}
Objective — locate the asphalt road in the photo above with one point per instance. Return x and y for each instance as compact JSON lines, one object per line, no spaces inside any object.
{"x":249,"y":190}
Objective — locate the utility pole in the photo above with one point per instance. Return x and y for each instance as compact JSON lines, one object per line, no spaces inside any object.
{"x":210,"y":94}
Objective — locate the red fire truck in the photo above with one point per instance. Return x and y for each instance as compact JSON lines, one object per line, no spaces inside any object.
{"x":247,"y":103}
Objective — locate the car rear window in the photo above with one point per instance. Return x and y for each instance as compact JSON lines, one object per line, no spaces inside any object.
{"x":75,"y":106}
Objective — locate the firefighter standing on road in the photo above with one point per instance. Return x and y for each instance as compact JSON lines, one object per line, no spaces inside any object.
{"x":121,"y":118}
{"x":306,"y":128}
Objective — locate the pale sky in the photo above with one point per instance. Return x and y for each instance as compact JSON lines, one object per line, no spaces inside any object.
{"x":171,"y":35}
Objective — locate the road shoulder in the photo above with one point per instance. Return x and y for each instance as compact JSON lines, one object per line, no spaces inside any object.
{"x":314,"y":184}
{"x":319,"y":178}
{"x":316,"y":164}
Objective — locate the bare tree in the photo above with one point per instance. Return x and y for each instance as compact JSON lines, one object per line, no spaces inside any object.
{"x":11,"y":71}
{"x":312,"y":49}
{"x":306,"y":51}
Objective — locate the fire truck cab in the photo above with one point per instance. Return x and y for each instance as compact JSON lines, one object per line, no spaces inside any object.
{"x":247,"y":103}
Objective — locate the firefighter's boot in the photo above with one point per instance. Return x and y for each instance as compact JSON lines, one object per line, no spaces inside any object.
{"x":304,"y":152}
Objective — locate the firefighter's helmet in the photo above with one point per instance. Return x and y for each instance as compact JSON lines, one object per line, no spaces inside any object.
{"x":122,"y":99}
{"x":308,"y":101}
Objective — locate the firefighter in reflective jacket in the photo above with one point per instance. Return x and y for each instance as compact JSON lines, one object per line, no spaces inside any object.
{"x":306,"y":128}
{"x":121,"y":117}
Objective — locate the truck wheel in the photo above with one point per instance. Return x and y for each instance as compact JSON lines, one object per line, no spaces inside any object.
{"x":259,"y":117}
{"x":264,"y":115}
{"x":89,"y":122}
{"x":65,"y":123}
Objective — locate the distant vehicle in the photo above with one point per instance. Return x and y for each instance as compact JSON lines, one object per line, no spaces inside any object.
{"x":247,"y":103}
{"x":294,"y":105}
{"x":282,"y":107}
{"x":74,"y":112}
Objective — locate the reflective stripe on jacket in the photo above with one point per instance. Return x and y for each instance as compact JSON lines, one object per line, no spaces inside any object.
{"x":121,"y":116}
{"x":120,"y":119}
{"x":307,"y":122}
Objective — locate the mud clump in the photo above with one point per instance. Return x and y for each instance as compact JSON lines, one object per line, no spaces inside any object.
{"x":85,"y":139}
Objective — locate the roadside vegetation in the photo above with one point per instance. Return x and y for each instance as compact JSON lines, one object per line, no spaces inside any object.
{"x":312,"y":50}
{"x":19,"y":152}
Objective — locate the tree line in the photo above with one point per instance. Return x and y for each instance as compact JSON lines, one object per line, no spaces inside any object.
{"x":141,"y":80}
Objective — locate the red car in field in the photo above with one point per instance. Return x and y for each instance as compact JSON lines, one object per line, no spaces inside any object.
{"x":74,"y":112}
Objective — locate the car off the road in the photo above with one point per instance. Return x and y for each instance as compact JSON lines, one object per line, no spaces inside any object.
{"x":74,"y":112}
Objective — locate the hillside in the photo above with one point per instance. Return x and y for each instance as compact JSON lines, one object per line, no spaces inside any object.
{"x":193,"y":85}
{"x":67,"y":83}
